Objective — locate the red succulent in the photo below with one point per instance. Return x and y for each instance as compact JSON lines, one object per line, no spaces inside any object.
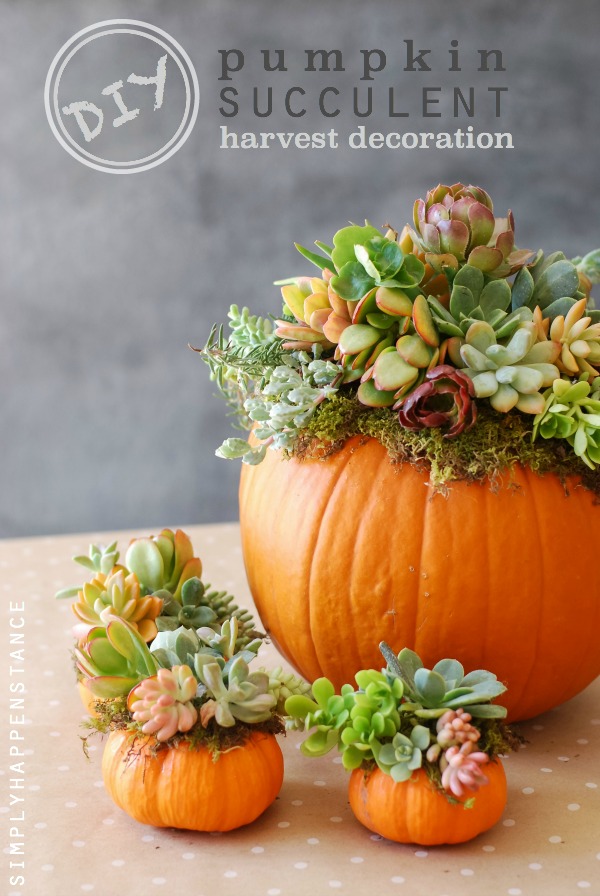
{"x":445,"y":399}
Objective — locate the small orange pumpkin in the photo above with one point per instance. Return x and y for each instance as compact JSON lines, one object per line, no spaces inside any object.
{"x":416,"y":812}
{"x":182,"y":787}
{"x":352,"y":550}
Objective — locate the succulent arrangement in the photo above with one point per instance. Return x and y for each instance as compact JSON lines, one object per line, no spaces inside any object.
{"x":405,"y":717}
{"x":165,"y":655}
{"x":444,"y":327}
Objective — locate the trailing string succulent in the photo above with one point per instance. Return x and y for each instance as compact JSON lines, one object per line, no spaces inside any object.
{"x":407,"y":717}
{"x":443,"y":327}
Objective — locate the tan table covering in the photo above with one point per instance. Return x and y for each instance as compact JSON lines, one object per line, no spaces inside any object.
{"x":74,"y":840}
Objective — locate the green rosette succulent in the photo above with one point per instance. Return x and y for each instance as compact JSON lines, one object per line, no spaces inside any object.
{"x":114,"y":659}
{"x":510,"y":375}
{"x":234,"y":694}
{"x":572,"y":412}
{"x":404,"y":755}
{"x":551,"y":283}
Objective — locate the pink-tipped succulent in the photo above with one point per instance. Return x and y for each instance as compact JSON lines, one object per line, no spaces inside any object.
{"x":454,"y":729}
{"x":462,"y":769}
{"x":456,"y":224}
{"x":444,"y":400}
{"x":163,"y":703}
{"x":116,"y":596}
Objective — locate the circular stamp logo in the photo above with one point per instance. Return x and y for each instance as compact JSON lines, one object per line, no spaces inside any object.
{"x":121,"y":96}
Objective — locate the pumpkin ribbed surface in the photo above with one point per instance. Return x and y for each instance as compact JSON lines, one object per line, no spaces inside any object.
{"x":415,"y":812}
{"x":343,"y":553}
{"x":181,"y":787}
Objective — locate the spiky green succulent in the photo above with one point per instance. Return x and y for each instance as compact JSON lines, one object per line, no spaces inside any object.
{"x":200,"y":607}
{"x":510,"y":375}
{"x":429,"y":693}
{"x":572,"y":411}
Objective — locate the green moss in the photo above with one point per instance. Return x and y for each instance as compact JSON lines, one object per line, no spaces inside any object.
{"x":113,"y":715}
{"x":487,"y":451}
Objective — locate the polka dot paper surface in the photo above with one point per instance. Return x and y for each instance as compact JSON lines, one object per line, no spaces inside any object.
{"x":63,"y":835}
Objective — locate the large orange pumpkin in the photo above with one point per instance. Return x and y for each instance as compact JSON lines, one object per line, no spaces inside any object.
{"x":416,"y":812}
{"x":181,"y":787}
{"x":346,"y":552}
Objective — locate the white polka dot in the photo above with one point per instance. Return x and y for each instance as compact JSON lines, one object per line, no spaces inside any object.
{"x":595,"y":721}
{"x":98,"y":783}
{"x":273,"y":892}
{"x":376,"y":837}
{"x":397,"y":880}
{"x":148,"y":838}
{"x":257,"y":850}
{"x":159,"y":880}
{"x":283,"y":824}
{"x":230,"y":874}
{"x":118,"y":863}
{"x":583,"y":741}
{"x":563,"y":758}
{"x":528,"y":790}
{"x":467,"y":872}
{"x":188,"y":855}
{"x":357,"y":860}
{"x":535,"y":866}
{"x":555,"y":839}
{"x":488,"y":848}
{"x":509,"y":822}
{"x":514,"y":891}
{"x":70,"y":805}
{"x":591,"y":785}
{"x":297,"y":803}
{"x":49,"y":674}
{"x":78,"y":843}
{"x":546,"y":770}
{"x":40,"y":825}
{"x":55,"y":734}
{"x":54,"y":703}
{"x":336,"y":884}
{"x":421,"y":853}
{"x":34,"y":787}
{"x":573,"y":807}
{"x":87,"y":887}
{"x":312,"y":841}
{"x":584,"y":884}
{"x":337,"y":760}
{"x":335,"y":819}
{"x":301,"y":865}
{"x":319,"y":783}
{"x":108,"y":821}
{"x":63,"y":768}
{"x":47,"y":867}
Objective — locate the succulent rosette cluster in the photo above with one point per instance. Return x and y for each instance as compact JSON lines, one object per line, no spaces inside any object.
{"x":403,"y":321}
{"x":406,"y":717}
{"x":163,"y":654}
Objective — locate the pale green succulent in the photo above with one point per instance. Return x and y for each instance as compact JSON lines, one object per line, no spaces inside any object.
{"x":284,"y":684}
{"x":551,"y":283}
{"x":403,"y":755}
{"x":326,"y":711}
{"x":114,"y":659}
{"x":430,"y":693}
{"x":235,"y":694}
{"x":510,"y":375}
{"x":164,"y":561}
{"x":100,"y":559}
{"x":572,"y":412}
{"x":471,"y":300}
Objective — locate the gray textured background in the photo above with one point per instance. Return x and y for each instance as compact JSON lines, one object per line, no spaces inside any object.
{"x":107,"y":419}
